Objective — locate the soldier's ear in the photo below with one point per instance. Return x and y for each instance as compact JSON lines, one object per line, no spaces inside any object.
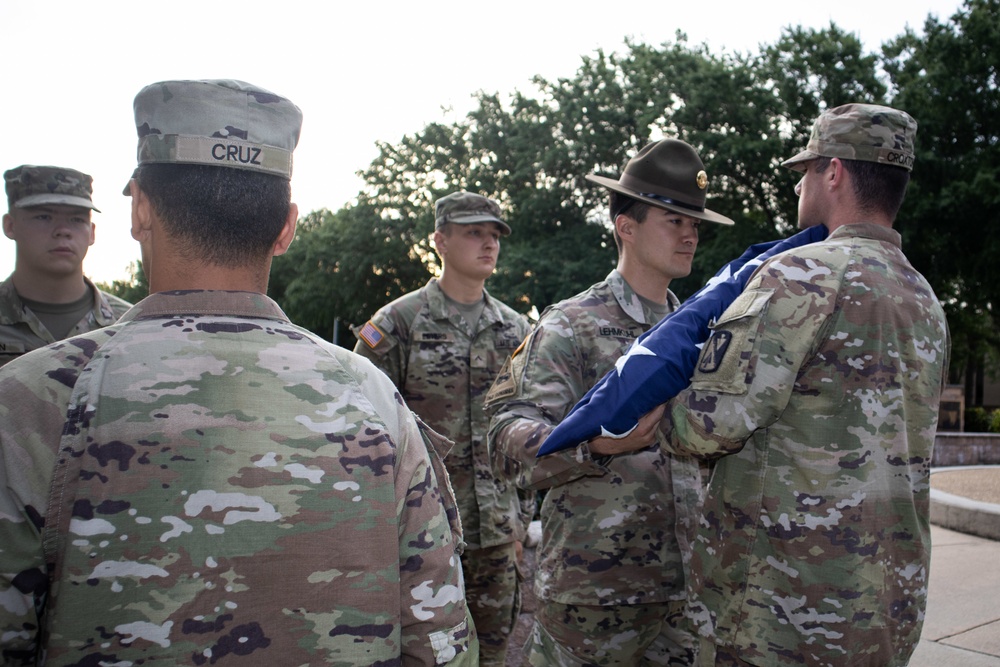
{"x":8,"y":225}
{"x":624,"y":224}
{"x":440,"y":241}
{"x":287,"y":232}
{"x":142,"y":213}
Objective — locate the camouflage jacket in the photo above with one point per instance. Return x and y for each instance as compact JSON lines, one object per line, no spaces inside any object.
{"x":227,"y":487}
{"x":444,"y":369}
{"x":613,"y":528}
{"x":821,"y":382}
{"x":21,"y":331}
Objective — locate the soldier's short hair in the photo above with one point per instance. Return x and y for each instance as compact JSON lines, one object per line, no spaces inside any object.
{"x":878,"y":188}
{"x":620,"y":204}
{"x":226,"y":217}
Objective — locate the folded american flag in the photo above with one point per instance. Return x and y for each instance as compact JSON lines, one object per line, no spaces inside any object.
{"x":661,"y":361}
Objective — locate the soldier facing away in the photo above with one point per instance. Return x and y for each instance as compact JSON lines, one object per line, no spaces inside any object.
{"x":443,"y":345}
{"x":205,"y":483}
{"x":615,"y":528}
{"x":47,"y":297}
{"x":820,"y":385}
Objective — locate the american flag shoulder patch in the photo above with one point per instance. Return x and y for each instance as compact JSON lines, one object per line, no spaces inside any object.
{"x":371,"y":334}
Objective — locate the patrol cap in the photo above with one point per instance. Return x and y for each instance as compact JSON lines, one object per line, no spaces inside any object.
{"x":220,"y":122}
{"x":465,"y":208}
{"x":866,"y":132}
{"x":667,"y":174}
{"x":30,"y":185}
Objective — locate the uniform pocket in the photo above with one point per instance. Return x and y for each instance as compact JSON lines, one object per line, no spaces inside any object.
{"x":727,"y":356}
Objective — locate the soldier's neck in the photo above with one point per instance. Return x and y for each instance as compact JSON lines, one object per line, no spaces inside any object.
{"x":48,"y":288}
{"x":647,"y":284}
{"x":461,"y":288}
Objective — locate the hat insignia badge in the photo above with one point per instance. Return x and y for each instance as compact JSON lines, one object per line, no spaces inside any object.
{"x":702,"y":179}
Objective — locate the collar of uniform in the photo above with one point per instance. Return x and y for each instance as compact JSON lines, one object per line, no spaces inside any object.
{"x":630,"y":301}
{"x":101,"y":308}
{"x":205,"y":302}
{"x":869,"y":231}
{"x":437,"y":302}
{"x":10,"y":303}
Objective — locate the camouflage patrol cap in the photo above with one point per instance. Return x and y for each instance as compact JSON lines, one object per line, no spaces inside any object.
{"x":465,"y":208}
{"x":866,"y":132}
{"x":221,"y":122}
{"x":29,"y":185}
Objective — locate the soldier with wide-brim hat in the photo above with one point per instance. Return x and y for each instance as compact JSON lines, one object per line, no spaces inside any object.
{"x":667,"y":174}
{"x":601,"y":507}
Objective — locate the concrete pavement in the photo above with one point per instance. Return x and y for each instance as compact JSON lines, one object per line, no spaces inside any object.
{"x":962,"y":625}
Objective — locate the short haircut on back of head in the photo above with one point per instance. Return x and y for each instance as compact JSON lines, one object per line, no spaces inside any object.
{"x":226,"y":217}
{"x":879,"y":188}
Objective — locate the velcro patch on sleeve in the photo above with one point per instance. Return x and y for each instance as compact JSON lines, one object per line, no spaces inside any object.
{"x":504,"y":386}
{"x":371,"y":334}
{"x":715,"y":351}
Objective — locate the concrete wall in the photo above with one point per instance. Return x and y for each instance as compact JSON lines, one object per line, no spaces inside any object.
{"x":966,"y":449}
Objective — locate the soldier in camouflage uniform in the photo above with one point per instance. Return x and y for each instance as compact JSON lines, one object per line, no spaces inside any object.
{"x":204,"y":483}
{"x":615,"y":529}
{"x":47,"y":297}
{"x":821,"y":383}
{"x":443,"y":345}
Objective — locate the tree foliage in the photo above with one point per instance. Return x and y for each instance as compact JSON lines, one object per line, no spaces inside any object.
{"x":950,"y":79}
{"x":531,"y":152}
{"x":133,"y":290}
{"x":744,"y":113}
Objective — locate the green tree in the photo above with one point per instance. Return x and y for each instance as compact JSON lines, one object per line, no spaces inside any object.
{"x":134,"y":289}
{"x":950,"y":80}
{"x":532,"y":153}
{"x":343,"y":266}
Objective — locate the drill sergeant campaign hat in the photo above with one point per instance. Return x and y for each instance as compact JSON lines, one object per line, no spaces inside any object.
{"x":667,"y":174}
{"x":866,"y":132}
{"x":30,"y":185}
{"x":219,"y":122}
{"x":465,"y":208}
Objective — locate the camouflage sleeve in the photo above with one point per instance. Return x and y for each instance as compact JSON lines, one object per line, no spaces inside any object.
{"x":378,"y":342}
{"x":31,"y":420}
{"x":542,"y":382}
{"x":436,"y":628}
{"x":747,"y":369}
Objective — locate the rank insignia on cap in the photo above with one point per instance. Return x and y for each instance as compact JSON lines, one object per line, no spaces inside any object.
{"x":371,"y":334}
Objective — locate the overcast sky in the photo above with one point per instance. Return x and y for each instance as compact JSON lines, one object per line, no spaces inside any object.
{"x":359,"y":72}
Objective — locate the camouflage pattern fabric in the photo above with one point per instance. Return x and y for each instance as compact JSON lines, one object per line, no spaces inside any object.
{"x":31,"y":185}
{"x":866,"y":132}
{"x":493,"y":595}
{"x":821,"y":383}
{"x":228,"y":489}
{"x":638,"y":635}
{"x":443,"y":369}
{"x":468,"y":208}
{"x":614,"y":529}
{"x":21,"y":331}
{"x":219,"y":122}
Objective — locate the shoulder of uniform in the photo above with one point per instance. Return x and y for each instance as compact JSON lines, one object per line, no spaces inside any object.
{"x":390,"y":321}
{"x":117,"y":304}
{"x":511,"y":317}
